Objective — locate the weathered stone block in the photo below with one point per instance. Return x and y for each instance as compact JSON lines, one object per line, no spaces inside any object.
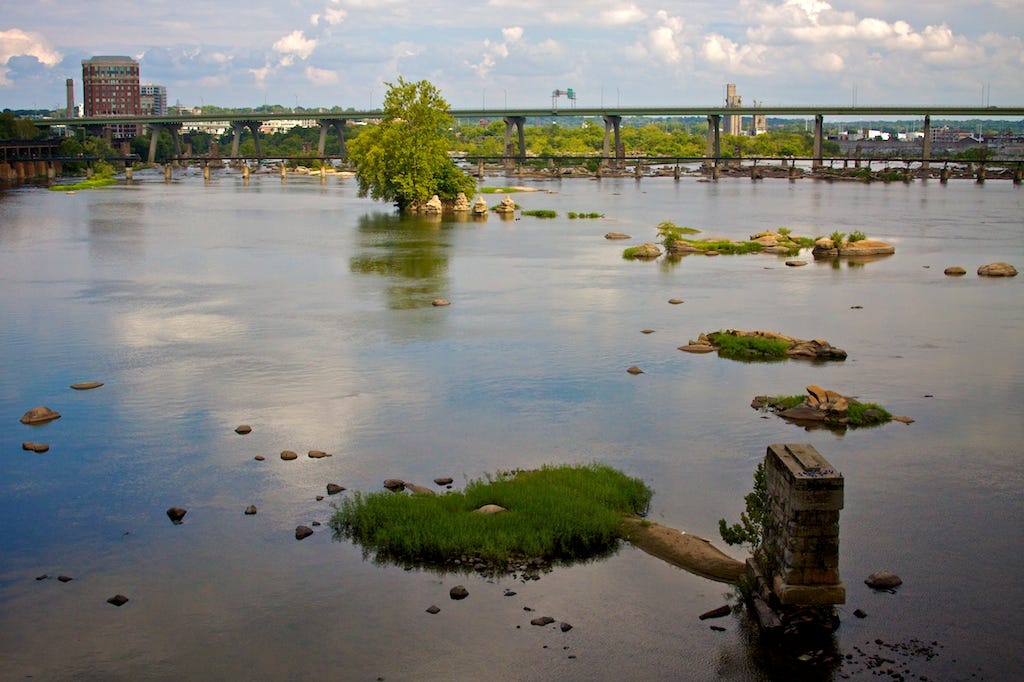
{"x":822,"y":595}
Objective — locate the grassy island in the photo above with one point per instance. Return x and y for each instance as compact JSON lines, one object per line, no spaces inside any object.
{"x":90,"y":183}
{"x":749,"y":347}
{"x":565,"y":513}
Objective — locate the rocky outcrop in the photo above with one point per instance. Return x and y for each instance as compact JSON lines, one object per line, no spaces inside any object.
{"x":39,"y":415}
{"x":813,"y":349}
{"x":883,"y":580}
{"x":997,"y":270}
{"x":480,"y":207}
{"x":775,"y":242}
{"x":433,"y":206}
{"x":645,"y":251}
{"x":616,"y":235}
{"x":822,"y":405}
{"x":862,"y":248}
{"x":506,"y":207}
{"x":954,"y":271}
{"x":461,"y":203}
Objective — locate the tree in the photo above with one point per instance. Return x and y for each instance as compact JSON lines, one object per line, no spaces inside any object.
{"x":750,"y":530}
{"x":404,"y":158}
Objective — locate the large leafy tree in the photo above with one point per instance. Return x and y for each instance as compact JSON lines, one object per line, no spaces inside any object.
{"x":404,"y":158}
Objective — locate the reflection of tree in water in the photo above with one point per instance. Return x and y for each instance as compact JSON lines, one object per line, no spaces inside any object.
{"x":408,"y":250}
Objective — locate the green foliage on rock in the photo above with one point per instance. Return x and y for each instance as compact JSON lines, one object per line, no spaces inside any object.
{"x":556,"y":512}
{"x":404,"y":158}
{"x":748,"y":347}
{"x":750,"y":530}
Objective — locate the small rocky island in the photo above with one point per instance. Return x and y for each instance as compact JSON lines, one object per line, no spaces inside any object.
{"x":739,"y":344}
{"x":827,"y":407}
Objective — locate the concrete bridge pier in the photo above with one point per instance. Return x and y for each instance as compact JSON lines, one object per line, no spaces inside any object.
{"x":818,"y":131}
{"x":612,"y":129}
{"x":713,"y":149}
{"x":926,"y":147}
{"x":237,"y":127}
{"x":154,"y":134}
{"x":245,"y":173}
{"x":338,"y":125}
{"x":167,"y":173}
{"x":1018,"y":175}
{"x":944,"y":175}
{"x":516,"y":122}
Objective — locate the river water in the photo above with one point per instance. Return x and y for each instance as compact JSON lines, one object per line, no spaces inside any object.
{"x":305,"y":311}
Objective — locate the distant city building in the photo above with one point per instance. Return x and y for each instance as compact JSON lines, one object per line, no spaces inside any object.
{"x":283,"y":126}
{"x":758,"y":123}
{"x":110,"y":87}
{"x":733,"y":123}
{"x":153,"y":99}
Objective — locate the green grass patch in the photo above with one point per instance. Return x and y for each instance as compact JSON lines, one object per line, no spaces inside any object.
{"x":857,"y":414}
{"x":748,"y":347}
{"x":541,"y":213}
{"x":574,"y":215}
{"x":91,"y":183}
{"x":564,"y":512}
{"x":498,"y":190}
{"x":856,"y":236}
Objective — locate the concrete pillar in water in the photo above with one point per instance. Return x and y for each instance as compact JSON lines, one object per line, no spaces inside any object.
{"x":167,"y":173}
{"x":926,"y":147}
{"x":981,"y":173}
{"x":713,"y":149}
{"x":128,"y":173}
{"x":284,"y":172}
{"x":323,"y":174}
{"x":612,"y":128}
{"x":715,"y":172}
{"x":1018,"y":175}
{"x":944,"y":175}
{"x":245,"y":171}
{"x":799,"y":553}
{"x":88,"y":172}
{"x":638,"y":171}
{"x":675,"y":172}
{"x":818,"y":132}
{"x":793,"y":172}
{"x":206,"y":172}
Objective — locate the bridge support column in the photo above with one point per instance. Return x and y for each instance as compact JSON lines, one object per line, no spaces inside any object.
{"x":926,"y":147}
{"x":714,"y":142}
{"x":818,"y":119}
{"x":154,"y":135}
{"x":518,"y":122}
{"x":254,"y":128}
{"x":326,"y":124}
{"x":167,"y":173}
{"x":611,"y":129}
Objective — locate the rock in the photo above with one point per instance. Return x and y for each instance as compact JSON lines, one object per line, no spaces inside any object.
{"x":334,"y":489}
{"x":440,"y":302}
{"x":633,"y":369}
{"x":433,"y":609}
{"x":480,"y":207}
{"x":796,"y":263}
{"x":866,"y":247}
{"x":564,"y":627}
{"x":903,"y":420}
{"x":319,"y":498}
{"x":44,"y":576}
{"x":461,"y":203}
{"x":720,"y":612}
{"x":394,"y":484}
{"x":176,"y":514}
{"x":717,"y":628}
{"x":39,"y":415}
{"x":711,"y":252}
{"x":458,"y":592}
{"x":302,"y":532}
{"x":443,"y":480}
{"x":35,"y":447}
{"x":646,"y":331}
{"x":883,"y":580}
{"x":997,"y":270}
{"x":288,"y":455}
{"x":86,"y":385}
{"x":617,"y":235}
{"x":860,"y":614}
{"x":954,"y":271}
{"x":694,"y":347}
{"x":317,"y":454}
{"x":118,"y":600}
{"x":433,"y":206}
{"x":675,"y":301}
{"x":645,"y":251}
{"x":259,"y":458}
{"x":315,"y":524}
{"x":804,"y":413}
{"x":507,"y":207}
{"x":243,"y":429}
{"x":250,"y":510}
{"x":418,"y":489}
{"x":542,"y":621}
{"x":65,"y":578}
{"x":490,"y":509}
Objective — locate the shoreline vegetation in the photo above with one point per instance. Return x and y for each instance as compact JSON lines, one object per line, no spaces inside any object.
{"x":520,"y":521}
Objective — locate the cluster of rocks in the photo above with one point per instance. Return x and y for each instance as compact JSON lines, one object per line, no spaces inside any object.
{"x":775,"y":242}
{"x":823,"y":405}
{"x":827,"y":248}
{"x":997,"y":269}
{"x":813,"y":349}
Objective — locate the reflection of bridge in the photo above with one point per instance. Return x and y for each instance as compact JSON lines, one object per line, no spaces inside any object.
{"x":515,"y":119}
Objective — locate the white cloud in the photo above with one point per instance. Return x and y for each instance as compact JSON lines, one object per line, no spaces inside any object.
{"x":494,"y":51}
{"x":295,"y":44}
{"x":732,"y":57}
{"x":334,"y":16}
{"x":321,"y":76}
{"x":662,"y":42}
{"x":620,"y":16}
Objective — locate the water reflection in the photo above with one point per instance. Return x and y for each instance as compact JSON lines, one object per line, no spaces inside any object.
{"x":410,"y":252}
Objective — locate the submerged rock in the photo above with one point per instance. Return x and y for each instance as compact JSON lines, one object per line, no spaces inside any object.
{"x":334,"y":489}
{"x":633,"y":369}
{"x":35,"y":447}
{"x":954,"y":271}
{"x":243,"y":429}
{"x":176,"y":514}
{"x":617,"y":235}
{"x":86,"y":385}
{"x":118,"y":600}
{"x":289,"y":455}
{"x":883,"y":580}
{"x":997,"y":270}
{"x":394,"y":484}
{"x":458,"y":592}
{"x":302,"y":532}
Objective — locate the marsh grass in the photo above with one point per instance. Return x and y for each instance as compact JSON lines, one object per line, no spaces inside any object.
{"x":574,"y":215}
{"x":566,"y":512}
{"x":748,"y":347}
{"x":541,"y":213}
{"x":498,"y":190}
{"x":92,"y":183}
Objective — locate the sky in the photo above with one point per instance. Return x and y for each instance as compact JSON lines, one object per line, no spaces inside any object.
{"x":515,"y":53}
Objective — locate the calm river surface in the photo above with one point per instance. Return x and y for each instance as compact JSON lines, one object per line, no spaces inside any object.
{"x":305,"y":311}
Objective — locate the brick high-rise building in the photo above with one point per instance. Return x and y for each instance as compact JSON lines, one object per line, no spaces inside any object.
{"x":110,"y":87}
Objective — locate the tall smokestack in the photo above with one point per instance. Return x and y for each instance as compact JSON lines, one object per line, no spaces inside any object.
{"x":70,"y":83}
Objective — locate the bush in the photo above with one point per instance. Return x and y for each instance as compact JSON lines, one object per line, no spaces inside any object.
{"x":748,"y":347}
{"x":857,"y":236}
{"x":541,"y":213}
